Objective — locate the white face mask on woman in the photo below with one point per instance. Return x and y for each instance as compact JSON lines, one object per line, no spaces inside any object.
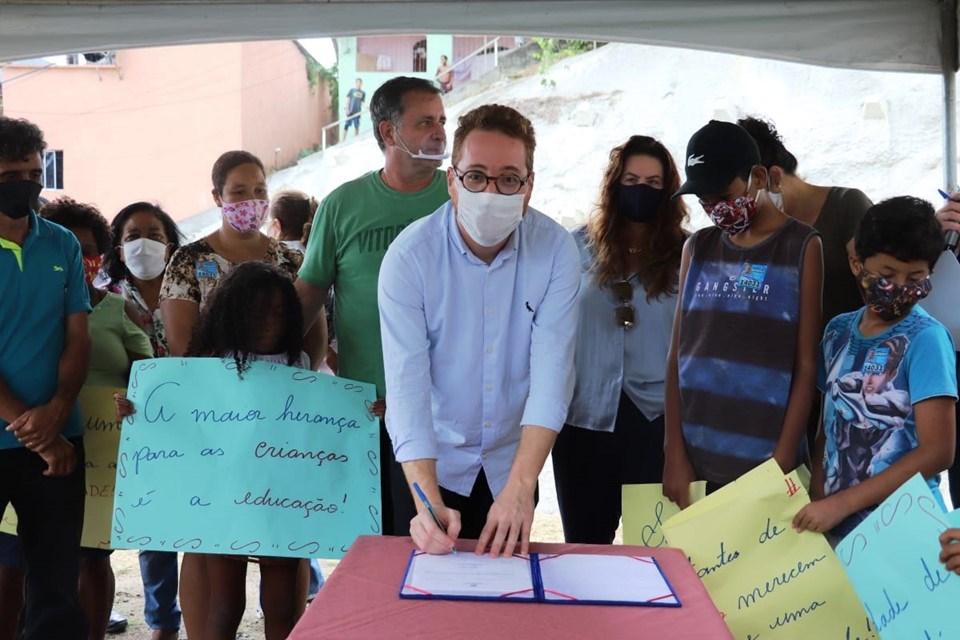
{"x":776,"y":197}
{"x":145,"y":258}
{"x":489,"y":218}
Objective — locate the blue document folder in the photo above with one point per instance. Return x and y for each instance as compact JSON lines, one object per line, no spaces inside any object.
{"x":571,"y":578}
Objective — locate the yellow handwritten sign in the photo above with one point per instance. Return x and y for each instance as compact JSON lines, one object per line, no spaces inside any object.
{"x":101,"y":440}
{"x":768,"y":581}
{"x":645,"y":509}
{"x":803,"y":474}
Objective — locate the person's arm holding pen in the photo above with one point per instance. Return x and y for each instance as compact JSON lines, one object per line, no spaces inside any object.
{"x":435,"y":532}
{"x":431,"y":510}
{"x":409,"y":417}
{"x":949,"y":214}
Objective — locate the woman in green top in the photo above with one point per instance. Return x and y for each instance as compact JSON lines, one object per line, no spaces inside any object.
{"x":115,"y":342}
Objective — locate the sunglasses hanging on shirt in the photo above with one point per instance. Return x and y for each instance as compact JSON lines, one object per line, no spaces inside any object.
{"x":623,"y":292}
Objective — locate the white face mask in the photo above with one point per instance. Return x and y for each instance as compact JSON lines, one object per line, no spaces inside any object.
{"x":296,"y":245}
{"x":420,"y":155}
{"x":775,"y":197}
{"x":145,"y":258}
{"x":488,"y":218}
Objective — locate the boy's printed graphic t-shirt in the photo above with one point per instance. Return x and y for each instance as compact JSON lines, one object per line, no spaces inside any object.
{"x":870,"y":386}
{"x":738,"y":337}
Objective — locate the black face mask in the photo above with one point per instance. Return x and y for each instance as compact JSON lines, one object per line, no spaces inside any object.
{"x":639,"y":202}
{"x":19,"y":198}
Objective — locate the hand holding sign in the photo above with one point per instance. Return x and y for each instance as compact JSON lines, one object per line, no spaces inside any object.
{"x":893,"y":560}
{"x":770,"y":581}
{"x":283,"y":462}
{"x":950,"y":543}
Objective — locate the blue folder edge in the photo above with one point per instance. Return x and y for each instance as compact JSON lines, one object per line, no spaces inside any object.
{"x":538,"y":595}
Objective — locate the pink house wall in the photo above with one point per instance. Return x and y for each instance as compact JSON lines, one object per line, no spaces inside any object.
{"x":147,"y":129}
{"x":151,"y":127}
{"x":465,"y":45}
{"x":398,"y":50}
{"x":279,"y":108}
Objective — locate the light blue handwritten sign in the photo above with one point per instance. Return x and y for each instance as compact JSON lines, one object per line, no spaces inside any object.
{"x":892,"y":559}
{"x":283,"y":462}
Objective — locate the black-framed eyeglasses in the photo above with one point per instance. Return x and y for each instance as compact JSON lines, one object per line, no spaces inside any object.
{"x":476,"y":181}
{"x":624,"y":315}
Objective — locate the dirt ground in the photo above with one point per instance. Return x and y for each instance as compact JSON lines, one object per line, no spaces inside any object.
{"x":129,"y":598}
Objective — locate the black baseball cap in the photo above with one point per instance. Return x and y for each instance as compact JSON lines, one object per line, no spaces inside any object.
{"x":716,"y":154}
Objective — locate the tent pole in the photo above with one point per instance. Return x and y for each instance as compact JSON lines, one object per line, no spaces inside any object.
{"x":948,"y":56}
{"x":950,"y":130}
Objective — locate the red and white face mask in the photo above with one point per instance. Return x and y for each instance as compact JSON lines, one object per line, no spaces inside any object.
{"x":91,"y":267}
{"x":733,"y":216}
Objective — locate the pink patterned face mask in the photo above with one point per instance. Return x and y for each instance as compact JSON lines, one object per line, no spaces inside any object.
{"x":246,"y":216}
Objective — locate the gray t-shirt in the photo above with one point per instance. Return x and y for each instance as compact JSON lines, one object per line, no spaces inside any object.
{"x":837,"y":222}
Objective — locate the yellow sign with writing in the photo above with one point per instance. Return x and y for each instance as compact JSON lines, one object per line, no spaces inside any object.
{"x":101,"y":439}
{"x":766,"y":579}
{"x":645,"y":509}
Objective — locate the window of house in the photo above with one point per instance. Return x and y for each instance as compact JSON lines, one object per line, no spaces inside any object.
{"x":95,"y":58}
{"x":53,"y":169}
{"x":392,"y":54}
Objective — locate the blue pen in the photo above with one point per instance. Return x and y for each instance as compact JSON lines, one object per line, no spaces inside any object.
{"x":952,"y":238}
{"x":433,"y":514}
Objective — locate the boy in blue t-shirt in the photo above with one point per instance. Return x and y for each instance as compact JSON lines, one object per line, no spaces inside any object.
{"x":888,"y":374}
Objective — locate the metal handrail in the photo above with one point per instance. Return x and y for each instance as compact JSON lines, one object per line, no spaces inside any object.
{"x":323,"y":130}
{"x":475,"y":53}
{"x":469,"y":56}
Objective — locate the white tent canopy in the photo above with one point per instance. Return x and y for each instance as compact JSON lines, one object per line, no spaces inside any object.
{"x":890,"y":35}
{"x":882,"y":35}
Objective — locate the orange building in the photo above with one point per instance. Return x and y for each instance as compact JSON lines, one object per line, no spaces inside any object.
{"x":147,"y":124}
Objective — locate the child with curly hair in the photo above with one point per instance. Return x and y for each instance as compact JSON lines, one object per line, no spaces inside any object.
{"x":253,"y":315}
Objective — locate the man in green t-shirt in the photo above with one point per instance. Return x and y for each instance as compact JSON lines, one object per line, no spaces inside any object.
{"x":351,"y":232}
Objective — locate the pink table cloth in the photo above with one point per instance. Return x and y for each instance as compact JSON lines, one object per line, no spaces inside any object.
{"x":360,"y":601}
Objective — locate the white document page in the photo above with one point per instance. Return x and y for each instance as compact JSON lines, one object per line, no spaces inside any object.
{"x":468,"y":575}
{"x":609,"y":579}
{"x":942,"y":303}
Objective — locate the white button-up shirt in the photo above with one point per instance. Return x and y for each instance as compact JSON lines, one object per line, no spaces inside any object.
{"x":473,"y":351}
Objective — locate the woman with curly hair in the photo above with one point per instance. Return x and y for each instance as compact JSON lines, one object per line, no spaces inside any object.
{"x":115,"y":342}
{"x":630,"y":254}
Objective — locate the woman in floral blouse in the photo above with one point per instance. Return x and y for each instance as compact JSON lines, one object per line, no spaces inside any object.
{"x":240,"y":190}
{"x":194,"y":272}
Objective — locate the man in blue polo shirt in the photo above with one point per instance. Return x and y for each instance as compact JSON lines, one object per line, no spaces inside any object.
{"x":44,"y":349}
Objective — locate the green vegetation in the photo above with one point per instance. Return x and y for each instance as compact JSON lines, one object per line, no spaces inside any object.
{"x":318,"y":74}
{"x":552,"y":50}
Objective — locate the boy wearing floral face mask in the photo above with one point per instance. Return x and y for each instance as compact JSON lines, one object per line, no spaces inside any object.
{"x":887,"y":372}
{"x":742,"y":363}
